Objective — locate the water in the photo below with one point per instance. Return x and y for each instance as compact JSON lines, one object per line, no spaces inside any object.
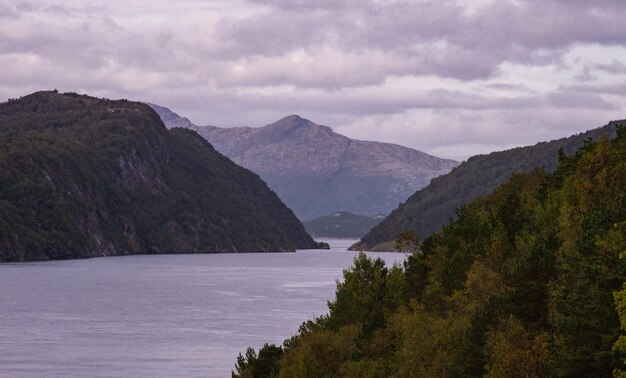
{"x":163,"y":315}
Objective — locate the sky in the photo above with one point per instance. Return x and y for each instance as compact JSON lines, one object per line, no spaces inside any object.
{"x":450,"y":78}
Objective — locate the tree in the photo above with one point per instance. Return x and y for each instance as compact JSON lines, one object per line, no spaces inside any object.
{"x":406,"y":242}
{"x":265,"y":365}
{"x":513,"y":351}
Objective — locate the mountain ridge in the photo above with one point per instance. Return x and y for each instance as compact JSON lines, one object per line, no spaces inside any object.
{"x":317,"y":171}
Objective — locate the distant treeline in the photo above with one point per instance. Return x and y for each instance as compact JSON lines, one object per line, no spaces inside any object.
{"x":341,"y":224}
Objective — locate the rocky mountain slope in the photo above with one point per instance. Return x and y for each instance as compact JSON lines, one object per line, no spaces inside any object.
{"x":316,"y":171}
{"x":426,"y":211}
{"x":83,"y":177}
{"x":342,"y":225}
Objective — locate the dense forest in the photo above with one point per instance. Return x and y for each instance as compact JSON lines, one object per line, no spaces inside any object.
{"x":525,"y":282}
{"x":430,"y":208}
{"x":82,"y":177}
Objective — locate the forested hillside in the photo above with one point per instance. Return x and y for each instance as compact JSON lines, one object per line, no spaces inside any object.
{"x":426,"y":211}
{"x":522,"y":284}
{"x":82,"y":177}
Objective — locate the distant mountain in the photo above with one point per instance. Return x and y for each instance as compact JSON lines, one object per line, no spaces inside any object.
{"x":83,"y":177}
{"x":316,"y":171}
{"x":431,"y":207}
{"x":342,"y":224}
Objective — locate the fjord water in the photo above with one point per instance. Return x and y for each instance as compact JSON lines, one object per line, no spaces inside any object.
{"x":159,"y":315}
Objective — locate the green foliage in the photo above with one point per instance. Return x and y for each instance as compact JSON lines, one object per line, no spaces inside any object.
{"x":82,"y":177}
{"x":367,"y":294}
{"x":406,"y":242}
{"x":589,"y":268}
{"x":525,"y":282}
{"x":513,"y":351}
{"x":265,"y":365}
{"x":617,"y":241}
{"x":348,"y":341}
{"x":430,"y":208}
{"x":319,"y":354}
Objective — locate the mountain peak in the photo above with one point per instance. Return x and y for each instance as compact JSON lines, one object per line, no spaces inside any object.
{"x":317,"y":171}
{"x":296,"y":125}
{"x":293,"y":120}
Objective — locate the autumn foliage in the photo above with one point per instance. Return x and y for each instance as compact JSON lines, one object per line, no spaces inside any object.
{"x":526,"y":282}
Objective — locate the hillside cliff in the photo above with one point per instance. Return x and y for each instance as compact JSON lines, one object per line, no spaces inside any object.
{"x":84,"y":177}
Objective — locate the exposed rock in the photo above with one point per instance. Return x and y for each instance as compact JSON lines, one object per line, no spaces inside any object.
{"x":316,"y":171}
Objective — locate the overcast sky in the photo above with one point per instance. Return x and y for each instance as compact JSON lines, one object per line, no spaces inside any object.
{"x":451,"y":78}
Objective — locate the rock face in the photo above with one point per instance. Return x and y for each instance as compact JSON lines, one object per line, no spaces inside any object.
{"x":316,"y":171}
{"x":426,"y":211}
{"x":83,"y":177}
{"x":342,"y":225}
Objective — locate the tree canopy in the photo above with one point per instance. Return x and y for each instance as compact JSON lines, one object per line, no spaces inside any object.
{"x":525,"y":282}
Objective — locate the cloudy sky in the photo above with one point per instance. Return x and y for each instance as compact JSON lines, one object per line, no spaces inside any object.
{"x":452,"y":78}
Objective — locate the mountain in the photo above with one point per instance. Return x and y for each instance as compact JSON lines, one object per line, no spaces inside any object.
{"x":426,"y":211}
{"x":84,"y":177}
{"x":316,"y":171}
{"x":342,"y":224}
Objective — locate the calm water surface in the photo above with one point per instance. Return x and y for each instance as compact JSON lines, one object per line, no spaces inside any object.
{"x":167,"y":315}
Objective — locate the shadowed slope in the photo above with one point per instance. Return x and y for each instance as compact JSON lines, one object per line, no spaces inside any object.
{"x":82,"y":177}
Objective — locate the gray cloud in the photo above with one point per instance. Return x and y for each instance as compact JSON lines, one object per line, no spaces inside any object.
{"x":530,"y":32}
{"x":618,"y":89}
{"x":615,"y":67}
{"x":502,"y":73}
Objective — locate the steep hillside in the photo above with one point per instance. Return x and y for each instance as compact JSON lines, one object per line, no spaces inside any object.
{"x":526,"y":282}
{"x":426,"y":211}
{"x":316,"y":171}
{"x":82,"y":177}
{"x":342,"y":225}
